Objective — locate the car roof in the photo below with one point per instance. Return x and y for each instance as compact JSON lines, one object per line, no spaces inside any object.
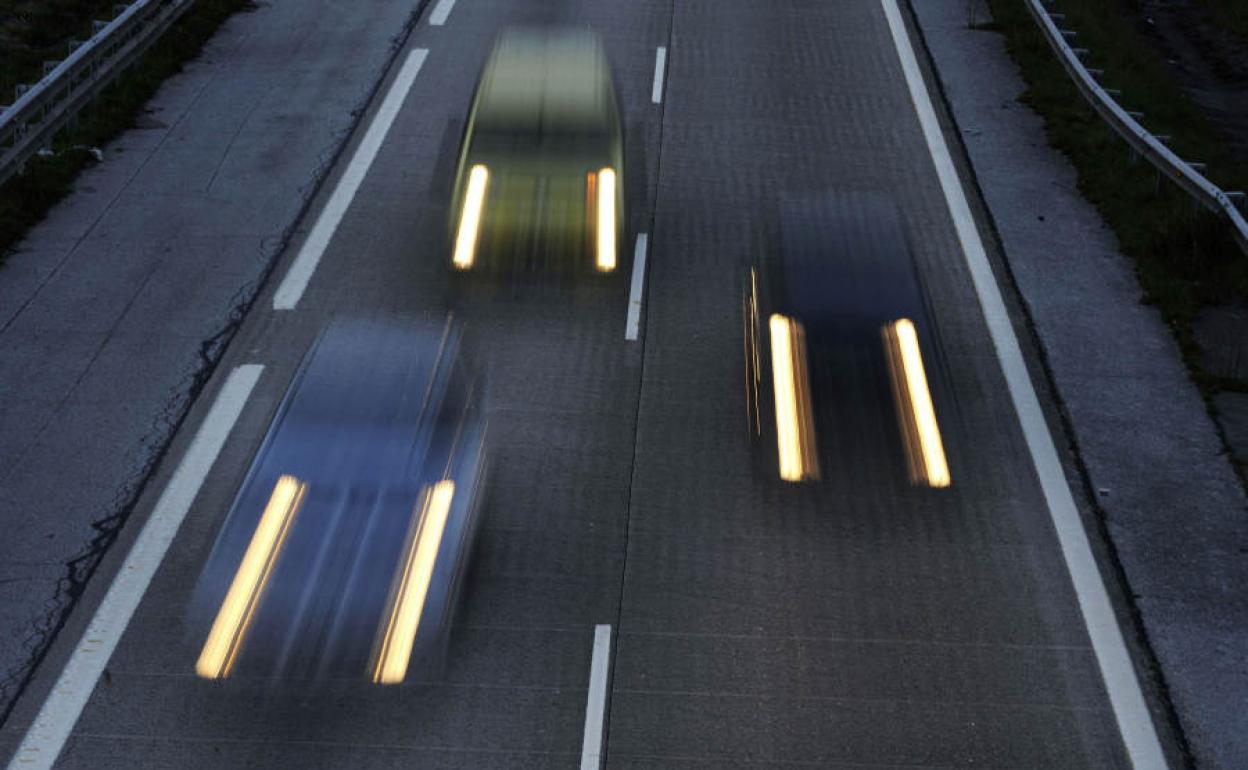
{"x":844,"y":259}
{"x":366,"y":392}
{"x":369,"y":370}
{"x":539,"y":80}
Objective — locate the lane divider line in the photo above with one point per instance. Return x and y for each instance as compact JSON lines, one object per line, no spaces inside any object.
{"x":660,"y":63}
{"x":300,"y":273}
{"x":1139,"y":735}
{"x":596,"y":702}
{"x":440,"y":11}
{"x":46,"y":737}
{"x":639,"y":281}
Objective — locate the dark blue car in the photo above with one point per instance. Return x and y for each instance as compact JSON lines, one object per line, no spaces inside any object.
{"x":346,"y":547}
{"x":842,"y":359}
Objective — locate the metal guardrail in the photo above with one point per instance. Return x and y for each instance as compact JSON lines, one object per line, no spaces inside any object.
{"x":1182,"y":173}
{"x":44,"y":108}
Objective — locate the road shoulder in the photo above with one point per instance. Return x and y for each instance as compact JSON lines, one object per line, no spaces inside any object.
{"x":1163,"y":487}
{"x":115,"y":310}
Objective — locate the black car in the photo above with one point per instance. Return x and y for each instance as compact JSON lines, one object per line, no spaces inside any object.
{"x":841,"y":357}
{"x":345,"y":549}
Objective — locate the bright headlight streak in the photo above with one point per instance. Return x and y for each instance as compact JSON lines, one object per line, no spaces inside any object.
{"x":403,"y":620}
{"x":791,"y":422}
{"x":226,"y":637}
{"x":606,"y":220}
{"x":470,"y":218}
{"x":935,"y":465}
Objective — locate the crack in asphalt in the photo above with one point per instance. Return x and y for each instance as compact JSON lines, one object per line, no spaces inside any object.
{"x":641,"y":379}
{"x":82,"y":567}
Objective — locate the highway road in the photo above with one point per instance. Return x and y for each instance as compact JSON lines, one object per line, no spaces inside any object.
{"x":861,"y":624}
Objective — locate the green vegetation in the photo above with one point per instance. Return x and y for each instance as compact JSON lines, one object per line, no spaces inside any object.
{"x":1185,"y":257}
{"x":35,"y":30}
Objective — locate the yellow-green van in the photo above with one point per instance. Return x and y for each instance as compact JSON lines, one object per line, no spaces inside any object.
{"x":540,"y":177}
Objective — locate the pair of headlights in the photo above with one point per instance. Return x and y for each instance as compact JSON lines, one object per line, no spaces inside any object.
{"x":795,"y":432}
{"x":601,"y":205}
{"x":404,"y":607}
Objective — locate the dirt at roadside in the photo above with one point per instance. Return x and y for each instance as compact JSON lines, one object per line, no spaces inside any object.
{"x":1209,"y":59}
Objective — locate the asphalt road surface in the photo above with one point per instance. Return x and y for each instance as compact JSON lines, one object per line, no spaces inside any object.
{"x":864,"y":624}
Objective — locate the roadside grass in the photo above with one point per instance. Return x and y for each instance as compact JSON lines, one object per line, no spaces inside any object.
{"x":26,"y":198}
{"x":35,"y":31}
{"x":1185,"y":257}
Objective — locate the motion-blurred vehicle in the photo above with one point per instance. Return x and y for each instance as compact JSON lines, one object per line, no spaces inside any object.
{"x":841,"y":357}
{"x":346,"y":547}
{"x":540,"y":178}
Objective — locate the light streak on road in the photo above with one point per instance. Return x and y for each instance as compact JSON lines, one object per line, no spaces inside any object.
{"x":920,"y":431}
{"x":606,"y":220}
{"x":795,"y":430}
{"x":470,"y":217}
{"x":225,"y":640}
{"x":411,"y":589}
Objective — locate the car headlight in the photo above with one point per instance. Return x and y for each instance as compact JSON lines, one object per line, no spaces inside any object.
{"x":919,"y":429}
{"x":470,"y":218}
{"x":411,"y":584}
{"x":606,"y":220}
{"x":246,"y":589}
{"x":795,"y":429}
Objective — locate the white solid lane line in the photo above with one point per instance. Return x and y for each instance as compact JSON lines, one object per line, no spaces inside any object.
{"x":1125,"y":696}
{"x":301,"y":270}
{"x":440,"y":12}
{"x":639,"y":282}
{"x":44,"y":740}
{"x":660,"y":63}
{"x":596,"y":703}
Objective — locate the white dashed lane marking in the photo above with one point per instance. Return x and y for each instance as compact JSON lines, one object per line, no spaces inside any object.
{"x":660,"y":64}
{"x":596,"y":702}
{"x":440,"y":12}
{"x":633,"y":321}
{"x":300,"y":273}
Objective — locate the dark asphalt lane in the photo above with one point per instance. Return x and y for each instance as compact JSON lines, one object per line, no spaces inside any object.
{"x":865,"y":624}
{"x":858,"y":624}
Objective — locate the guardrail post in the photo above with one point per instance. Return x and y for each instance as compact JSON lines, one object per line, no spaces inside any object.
{"x":1128,"y":125}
